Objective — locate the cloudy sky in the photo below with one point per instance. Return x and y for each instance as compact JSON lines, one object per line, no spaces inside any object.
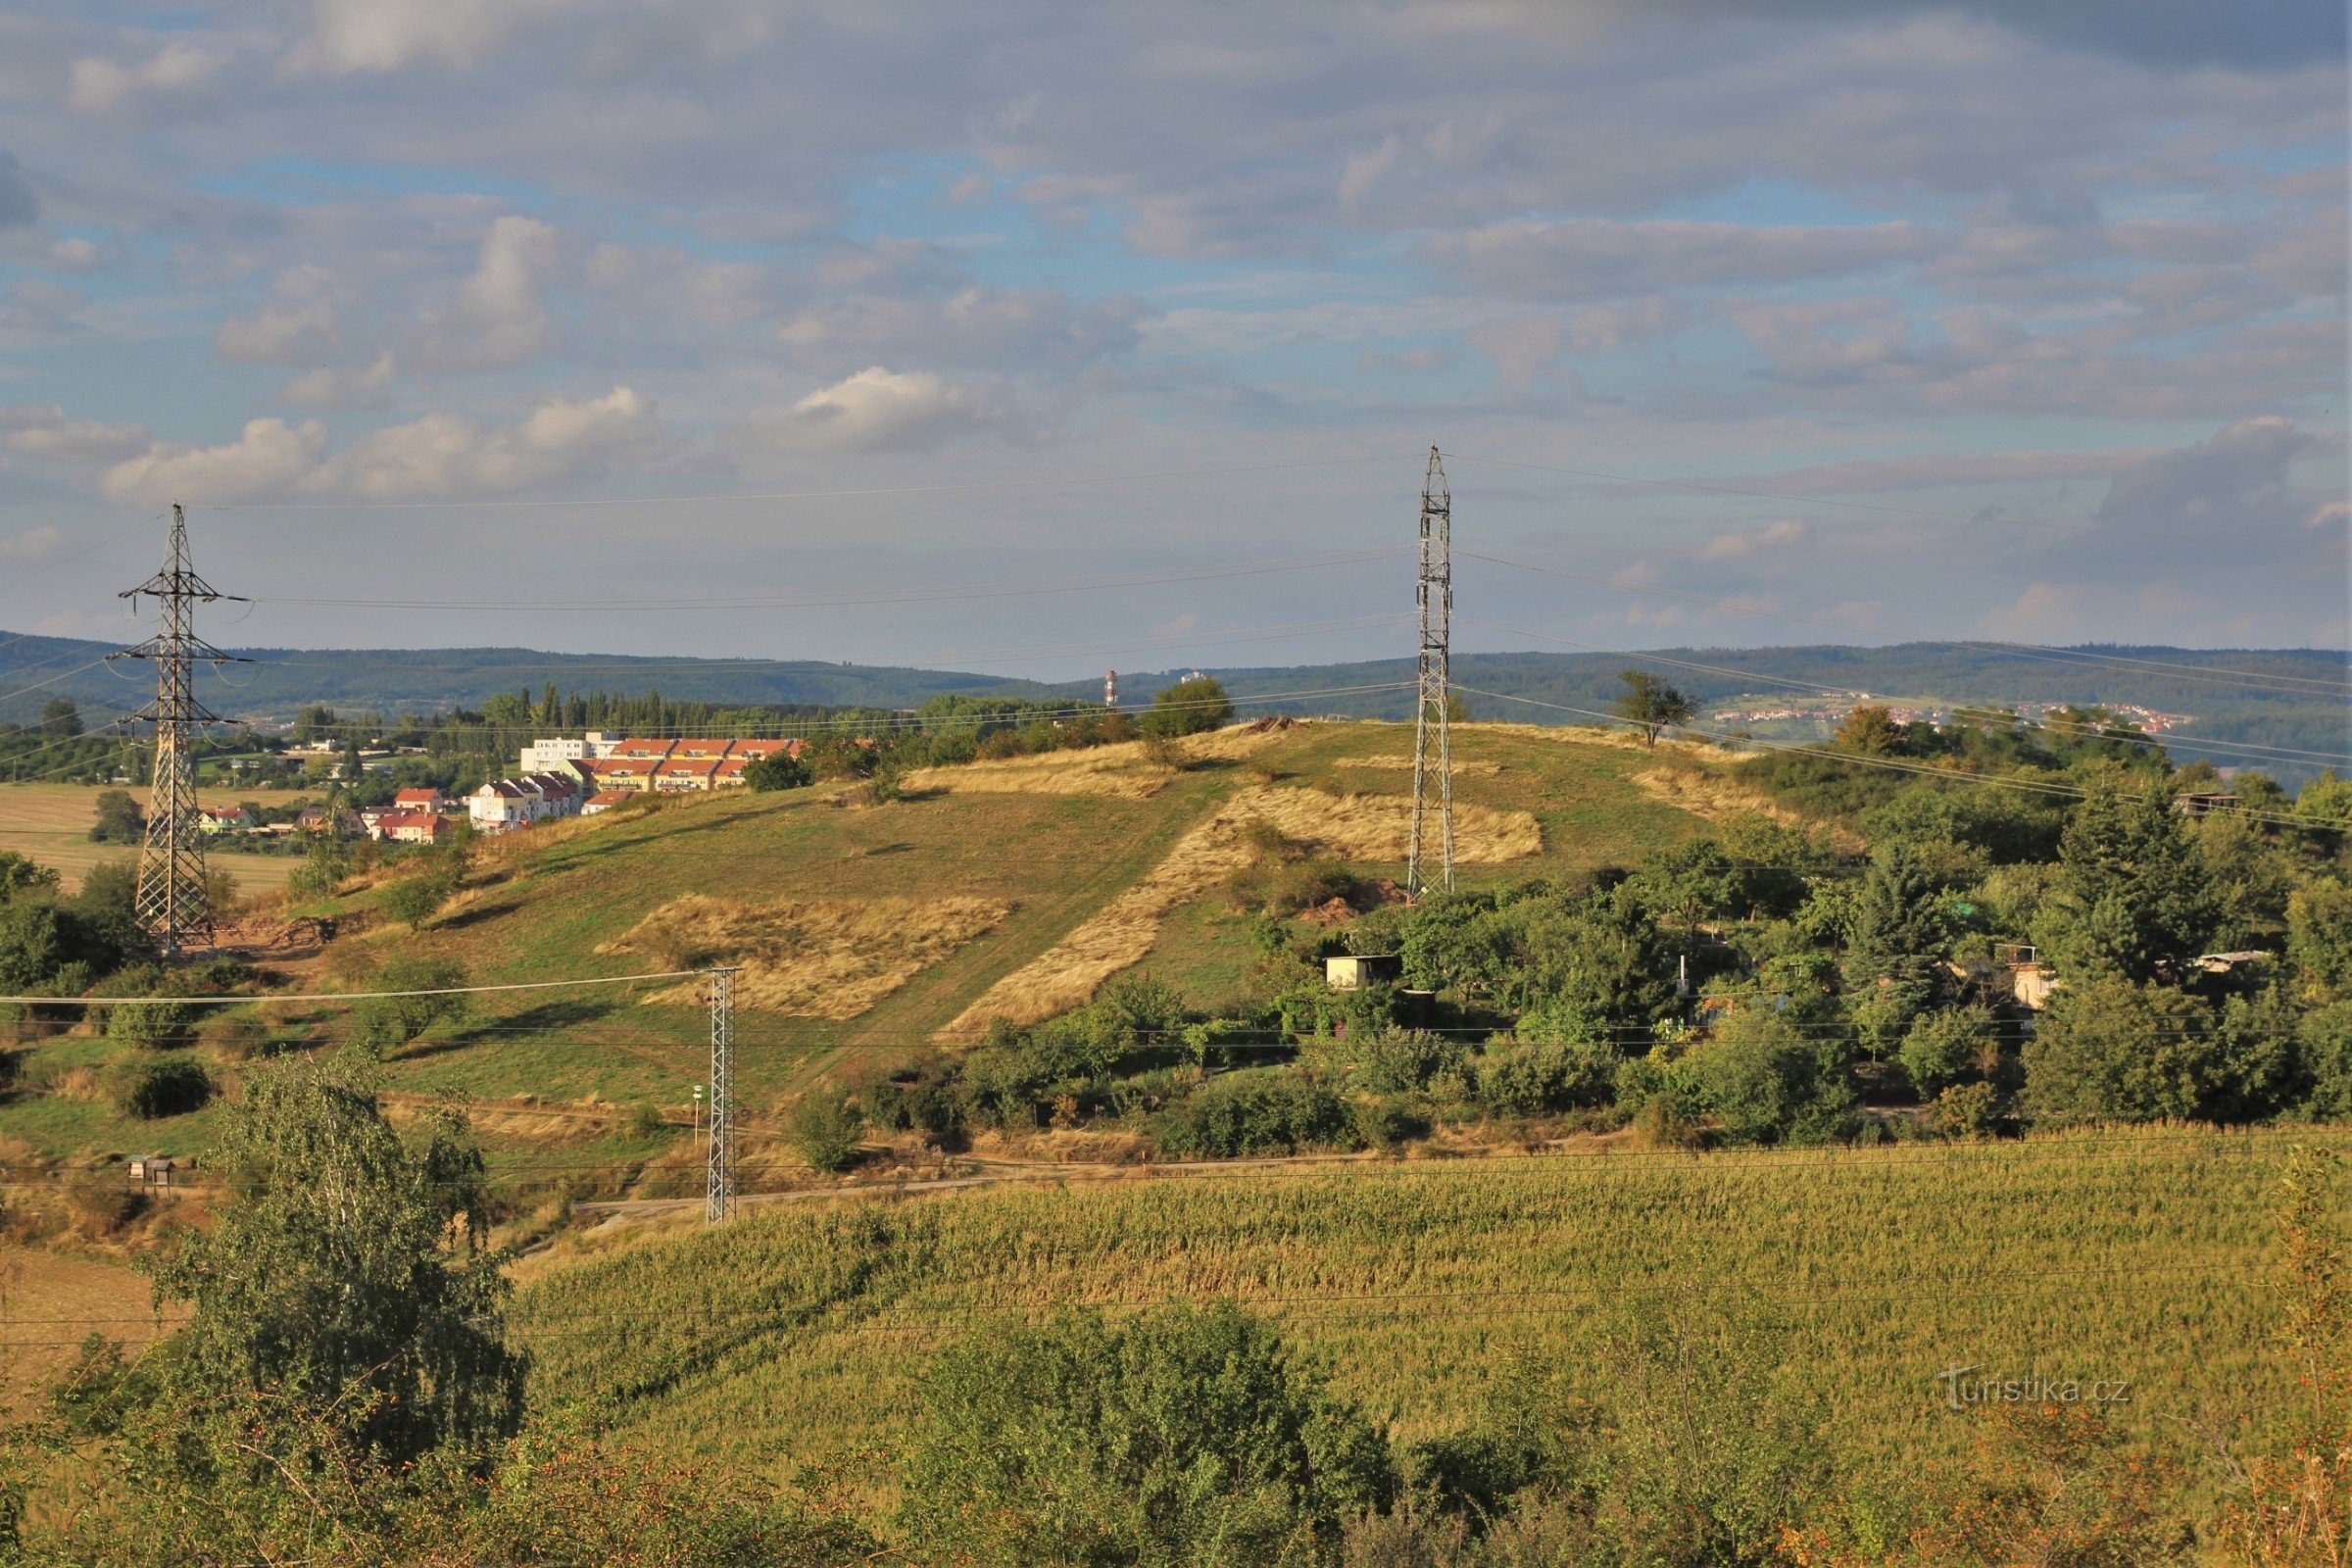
{"x":835,"y":328}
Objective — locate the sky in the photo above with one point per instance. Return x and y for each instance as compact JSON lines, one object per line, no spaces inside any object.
{"x":1039,"y":338}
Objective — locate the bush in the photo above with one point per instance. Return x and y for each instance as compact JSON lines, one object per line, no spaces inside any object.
{"x":1766,"y":1080}
{"x":171,"y":1087}
{"x":1253,"y":1114}
{"x":1946,"y":1047}
{"x":1396,"y":1064}
{"x":2107,"y":1049}
{"x":778,"y":771}
{"x":928,"y":1101}
{"x":824,"y":1127}
{"x":1531,"y":1078}
{"x":645,"y":1122}
{"x":1188,"y":707}
{"x":381,"y":1025}
{"x":1186,"y":1435}
{"x":152,"y":1025}
{"x":1382,"y":1124}
{"x":236,"y":1036}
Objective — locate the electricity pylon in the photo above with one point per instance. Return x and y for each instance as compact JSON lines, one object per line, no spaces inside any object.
{"x":719,"y":1188}
{"x":171,"y":903}
{"x":1430,"y":703}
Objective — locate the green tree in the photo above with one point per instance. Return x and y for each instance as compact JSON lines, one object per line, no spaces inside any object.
{"x":381,"y":1025}
{"x":350,"y":1272}
{"x":1188,"y":707}
{"x":119,"y":820}
{"x":2108,"y":1049}
{"x":1185,"y":1436}
{"x":2319,"y":938}
{"x":1649,"y":705}
{"x":2129,"y":898}
{"x":1873,"y":732}
{"x":61,"y":718}
{"x":825,"y":1127}
{"x":1947,"y":1047}
{"x":1767,"y":1079}
{"x":415,"y":899}
{"x":779,"y":770}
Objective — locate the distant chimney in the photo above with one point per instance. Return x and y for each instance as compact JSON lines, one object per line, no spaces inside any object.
{"x":1110,"y":688}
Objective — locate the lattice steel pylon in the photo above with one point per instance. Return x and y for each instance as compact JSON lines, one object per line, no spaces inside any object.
{"x":718,"y":1189}
{"x":1436,"y":594}
{"x":171,"y":903}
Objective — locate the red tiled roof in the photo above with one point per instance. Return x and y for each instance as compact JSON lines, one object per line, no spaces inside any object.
{"x":642,"y":748}
{"x":610,"y":797}
{"x":681,"y":767}
{"x":415,"y":797}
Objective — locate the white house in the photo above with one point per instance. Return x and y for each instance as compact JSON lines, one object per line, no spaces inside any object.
{"x":542,"y":756}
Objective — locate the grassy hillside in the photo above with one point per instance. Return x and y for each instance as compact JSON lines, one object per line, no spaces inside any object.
{"x":575,"y":902}
{"x":798,"y":1330}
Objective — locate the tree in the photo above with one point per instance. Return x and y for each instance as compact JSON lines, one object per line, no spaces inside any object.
{"x":780,"y":770}
{"x":2109,"y":1049}
{"x":61,"y":718}
{"x":383,"y":1024}
{"x":1873,"y":732}
{"x":2319,"y":938}
{"x":2131,"y":899}
{"x":119,"y":820}
{"x":413,"y":900}
{"x":1184,"y":1435}
{"x":824,"y":1127}
{"x":1649,"y":705}
{"x":351,"y":1271}
{"x":1188,"y":707}
{"x":1766,"y":1080}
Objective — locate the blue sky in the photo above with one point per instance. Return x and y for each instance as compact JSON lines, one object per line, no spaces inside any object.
{"x":2006,"y":319}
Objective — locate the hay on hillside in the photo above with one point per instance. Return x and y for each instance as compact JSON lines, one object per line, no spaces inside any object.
{"x":1122,"y":771}
{"x":1403,"y":760}
{"x":810,"y":957}
{"x":1119,"y":771}
{"x":1356,"y":827}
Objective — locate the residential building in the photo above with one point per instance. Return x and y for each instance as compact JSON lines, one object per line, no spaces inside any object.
{"x":604,"y":801}
{"x":412,"y":827}
{"x":544,"y":756}
{"x":419,"y":800}
{"x":222,"y":820}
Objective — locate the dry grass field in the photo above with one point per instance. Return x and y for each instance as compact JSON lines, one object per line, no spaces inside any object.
{"x":50,"y":1303}
{"x":810,"y":957}
{"x":51,"y":823}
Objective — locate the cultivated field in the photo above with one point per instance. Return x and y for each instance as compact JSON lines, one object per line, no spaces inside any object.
{"x":51,"y":823}
{"x":798,"y":1330}
{"x":49,"y":1305}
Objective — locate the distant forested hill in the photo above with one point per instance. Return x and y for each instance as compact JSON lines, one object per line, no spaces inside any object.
{"x":2287,"y":698}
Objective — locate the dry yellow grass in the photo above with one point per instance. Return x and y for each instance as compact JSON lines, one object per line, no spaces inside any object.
{"x":51,"y":823}
{"x":1122,"y":771}
{"x":1356,"y":827}
{"x":1402,"y":760}
{"x":48,"y":1304}
{"x":810,"y":957}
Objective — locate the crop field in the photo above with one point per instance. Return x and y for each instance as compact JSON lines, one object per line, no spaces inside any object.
{"x":51,"y":823}
{"x":50,"y":1303}
{"x":798,"y":1330}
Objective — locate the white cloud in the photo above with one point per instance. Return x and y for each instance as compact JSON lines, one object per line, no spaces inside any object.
{"x":375,"y":38}
{"x":284,"y":334}
{"x":498,"y":314}
{"x":44,"y":433}
{"x":1788,"y":534}
{"x":2233,"y":483}
{"x":2044,"y":610}
{"x":100,"y":86}
{"x":441,"y":456}
{"x":34,"y":545}
{"x":268,"y":458}
{"x":876,"y":410}
{"x":330,"y":387}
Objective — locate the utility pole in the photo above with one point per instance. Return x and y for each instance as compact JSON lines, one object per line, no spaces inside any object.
{"x":170,"y":903}
{"x":1436,"y":594}
{"x":718,"y":1191}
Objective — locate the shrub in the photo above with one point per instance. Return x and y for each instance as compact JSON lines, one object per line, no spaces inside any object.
{"x":413,"y":900}
{"x":645,"y":1122}
{"x":102,"y":1203}
{"x":929,"y":1101}
{"x":778,"y":771}
{"x":1385,"y":1123}
{"x":2109,"y":1049}
{"x":1186,"y":1435}
{"x":1966,"y":1110}
{"x":1766,"y":1080}
{"x":1395,"y":1063}
{"x":1188,"y":707}
{"x":1532,"y":1077}
{"x":381,"y":1025}
{"x":1253,"y":1114}
{"x":1945,"y":1048}
{"x":824,"y":1127}
{"x":236,"y":1036}
{"x":173,"y":1086}
{"x":152,"y":1025}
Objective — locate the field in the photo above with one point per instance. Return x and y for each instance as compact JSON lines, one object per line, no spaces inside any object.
{"x":798,"y":1330}
{"x":49,"y":1305}
{"x":1038,"y":859}
{"x":51,"y":823}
